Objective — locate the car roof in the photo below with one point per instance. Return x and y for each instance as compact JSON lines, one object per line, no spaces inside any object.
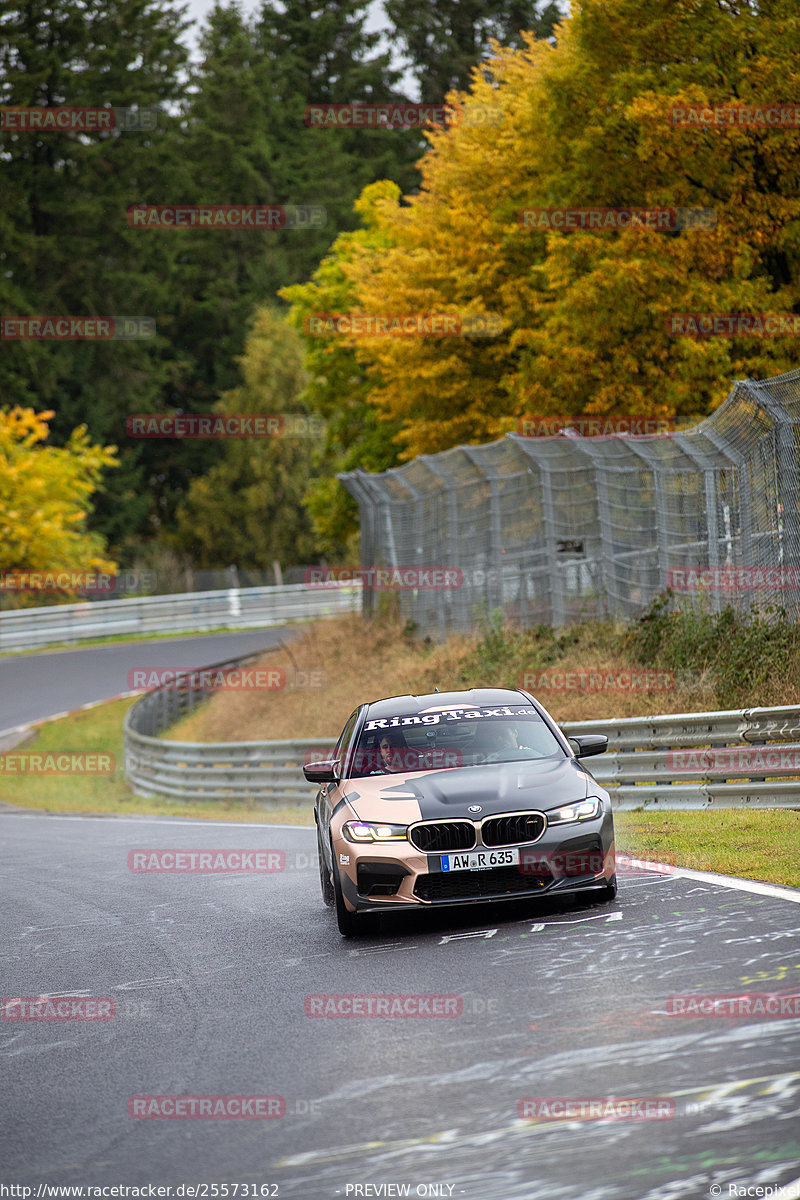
{"x":479,"y":697}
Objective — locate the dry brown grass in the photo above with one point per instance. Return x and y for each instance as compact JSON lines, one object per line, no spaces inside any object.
{"x":602,"y":704}
{"x":366,"y":660}
{"x":362,"y":660}
{"x":688,"y":692}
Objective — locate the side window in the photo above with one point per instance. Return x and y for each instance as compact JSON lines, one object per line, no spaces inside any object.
{"x":346,"y":737}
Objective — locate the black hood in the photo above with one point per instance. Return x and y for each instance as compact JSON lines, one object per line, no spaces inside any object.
{"x":497,"y":787}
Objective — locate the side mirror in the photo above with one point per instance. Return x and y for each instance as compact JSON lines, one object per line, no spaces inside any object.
{"x":589,"y":743}
{"x":326,"y":771}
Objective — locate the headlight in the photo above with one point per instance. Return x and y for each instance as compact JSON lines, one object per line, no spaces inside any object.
{"x":585,"y":810}
{"x":367,"y":831}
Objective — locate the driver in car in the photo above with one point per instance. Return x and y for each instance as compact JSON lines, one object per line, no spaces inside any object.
{"x":393,"y":751}
{"x":505,"y":743}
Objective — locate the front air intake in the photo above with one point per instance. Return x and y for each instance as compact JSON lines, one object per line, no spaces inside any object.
{"x":510,"y":831}
{"x":442,"y":837}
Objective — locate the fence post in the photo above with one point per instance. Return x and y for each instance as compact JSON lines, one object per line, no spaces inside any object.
{"x":551,"y":549}
{"x":447,"y":488}
{"x":610,"y":601}
{"x":417,"y":603}
{"x":712,"y":524}
{"x":742,"y":470}
{"x":787,"y":495}
{"x":644,"y":451}
{"x":494,"y":593}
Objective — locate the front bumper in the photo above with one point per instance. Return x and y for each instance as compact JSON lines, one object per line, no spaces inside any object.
{"x":395,"y":875}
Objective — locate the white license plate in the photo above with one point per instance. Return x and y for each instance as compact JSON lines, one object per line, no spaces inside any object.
{"x":480,"y":860}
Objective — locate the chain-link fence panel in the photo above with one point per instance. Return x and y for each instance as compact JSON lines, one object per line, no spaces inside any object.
{"x":558,"y":529}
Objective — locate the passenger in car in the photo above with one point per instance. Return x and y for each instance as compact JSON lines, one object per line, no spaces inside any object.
{"x":506,"y":743}
{"x":394,"y":752}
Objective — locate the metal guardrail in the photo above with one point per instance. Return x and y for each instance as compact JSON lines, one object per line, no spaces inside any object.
{"x":195,"y":612}
{"x":741,"y":758}
{"x":268,"y":772}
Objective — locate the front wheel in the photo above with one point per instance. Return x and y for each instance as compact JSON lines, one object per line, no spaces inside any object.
{"x":347,"y":921}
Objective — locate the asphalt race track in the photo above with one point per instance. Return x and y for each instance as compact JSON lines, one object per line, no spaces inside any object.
{"x":33,"y":686}
{"x":210,"y":973}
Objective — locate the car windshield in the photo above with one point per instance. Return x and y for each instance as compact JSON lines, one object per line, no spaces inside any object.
{"x":443,"y":738}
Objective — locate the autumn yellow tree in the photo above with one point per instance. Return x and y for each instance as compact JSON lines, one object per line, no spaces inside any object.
{"x":587,"y":123}
{"x":45,"y":500}
{"x":624,"y":81}
{"x":457,"y":249}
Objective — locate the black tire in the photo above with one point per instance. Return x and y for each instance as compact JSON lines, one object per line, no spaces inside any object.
{"x":609,"y":892}
{"x":349,"y":924}
{"x":328,"y":896}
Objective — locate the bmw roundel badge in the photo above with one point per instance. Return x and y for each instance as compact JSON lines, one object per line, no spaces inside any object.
{"x":474,"y":808}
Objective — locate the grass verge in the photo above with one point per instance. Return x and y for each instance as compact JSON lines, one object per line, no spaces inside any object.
{"x":761,"y":844}
{"x":99,"y":730}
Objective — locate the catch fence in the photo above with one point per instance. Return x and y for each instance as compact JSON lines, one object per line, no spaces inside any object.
{"x":558,"y":529}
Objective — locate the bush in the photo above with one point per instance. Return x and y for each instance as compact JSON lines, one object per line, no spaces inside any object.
{"x":745,"y":653}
